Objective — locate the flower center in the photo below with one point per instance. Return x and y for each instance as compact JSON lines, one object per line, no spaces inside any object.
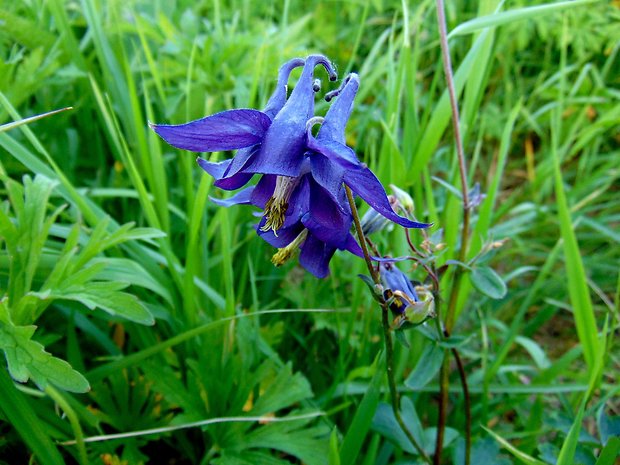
{"x":284,"y":254}
{"x":276,"y":206}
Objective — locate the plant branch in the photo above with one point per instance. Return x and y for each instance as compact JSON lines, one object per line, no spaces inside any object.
{"x":389,"y":346}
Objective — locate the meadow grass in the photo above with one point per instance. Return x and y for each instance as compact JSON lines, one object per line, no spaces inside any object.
{"x":538,"y":87}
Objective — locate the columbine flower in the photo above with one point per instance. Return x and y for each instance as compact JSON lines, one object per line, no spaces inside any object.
{"x":310,"y":211}
{"x":275,"y":139}
{"x":411,"y":305}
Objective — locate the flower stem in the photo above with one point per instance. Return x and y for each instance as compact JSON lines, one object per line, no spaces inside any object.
{"x":458,"y":273}
{"x":389,"y":346}
{"x":362,"y":238}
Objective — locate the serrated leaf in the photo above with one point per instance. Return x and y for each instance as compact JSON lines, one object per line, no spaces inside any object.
{"x":311,"y":445}
{"x":426,"y":368}
{"x":488,"y":282}
{"x":107,"y":297}
{"x":285,"y":390}
{"x":27,"y":359}
{"x":129,"y":271}
{"x":247,"y":457}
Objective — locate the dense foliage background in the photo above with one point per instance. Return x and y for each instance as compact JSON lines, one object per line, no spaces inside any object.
{"x":103,"y":225}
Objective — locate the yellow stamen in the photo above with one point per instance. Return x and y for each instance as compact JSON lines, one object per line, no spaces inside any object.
{"x":276,"y":206}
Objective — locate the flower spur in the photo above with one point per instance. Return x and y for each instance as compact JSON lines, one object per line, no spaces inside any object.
{"x":273,"y":140}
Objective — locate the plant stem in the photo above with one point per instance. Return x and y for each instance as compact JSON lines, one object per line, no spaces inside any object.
{"x":360,"y":234}
{"x":458,"y":273}
{"x":73,"y":421}
{"x":467,"y":402}
{"x":389,"y":346}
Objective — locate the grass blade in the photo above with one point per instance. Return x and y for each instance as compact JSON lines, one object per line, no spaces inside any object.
{"x":506,"y":17}
{"x":23,"y":418}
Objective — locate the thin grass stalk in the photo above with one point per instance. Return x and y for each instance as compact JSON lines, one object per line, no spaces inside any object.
{"x":458,"y":273}
{"x":389,"y":346}
{"x":73,"y":420}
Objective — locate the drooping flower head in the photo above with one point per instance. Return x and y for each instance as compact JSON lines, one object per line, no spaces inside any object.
{"x":301,"y":189}
{"x":411,"y":307}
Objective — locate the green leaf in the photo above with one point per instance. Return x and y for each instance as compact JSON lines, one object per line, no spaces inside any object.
{"x":484,"y":450}
{"x":23,"y":418}
{"x":536,"y":352}
{"x":427,"y":367}
{"x":385,"y":423}
{"x":247,"y":457}
{"x":507,"y":17}
{"x":488,"y":282}
{"x":285,"y":390}
{"x":14,"y":124}
{"x":107,"y":297}
{"x":525,"y":458}
{"x":334,"y":456}
{"x":311,"y":445}
{"x":355,"y":436}
{"x":402,"y":338}
{"x":130,"y":272}
{"x":27,"y":359}
{"x":610,"y":452}
{"x":608,"y":427}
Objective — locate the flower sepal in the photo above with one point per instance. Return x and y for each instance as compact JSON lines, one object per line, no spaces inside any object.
{"x":416,"y":313}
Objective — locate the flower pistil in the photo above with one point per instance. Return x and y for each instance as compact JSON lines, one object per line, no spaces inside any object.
{"x":285,"y":253}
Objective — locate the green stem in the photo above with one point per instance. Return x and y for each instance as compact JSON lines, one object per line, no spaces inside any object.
{"x":73,"y":420}
{"x":360,"y":234}
{"x":458,"y":273}
{"x":389,"y":346}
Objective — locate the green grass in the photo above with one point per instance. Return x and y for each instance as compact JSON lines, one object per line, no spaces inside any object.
{"x":92,"y":196}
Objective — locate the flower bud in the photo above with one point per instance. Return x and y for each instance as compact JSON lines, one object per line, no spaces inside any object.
{"x":404,"y":199}
{"x":373,"y":221}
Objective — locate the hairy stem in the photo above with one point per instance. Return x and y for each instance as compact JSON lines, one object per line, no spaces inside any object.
{"x":389,"y":346}
{"x":458,"y":273}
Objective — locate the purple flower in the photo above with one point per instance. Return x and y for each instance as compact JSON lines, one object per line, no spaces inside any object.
{"x":310,"y":211}
{"x":398,"y":288}
{"x":273,"y":141}
{"x":301,"y":190}
{"x":410,"y":307}
{"x":330,"y":143}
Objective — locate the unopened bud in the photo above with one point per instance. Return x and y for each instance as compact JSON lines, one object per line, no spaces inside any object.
{"x":404,"y":199}
{"x":372,"y":221}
